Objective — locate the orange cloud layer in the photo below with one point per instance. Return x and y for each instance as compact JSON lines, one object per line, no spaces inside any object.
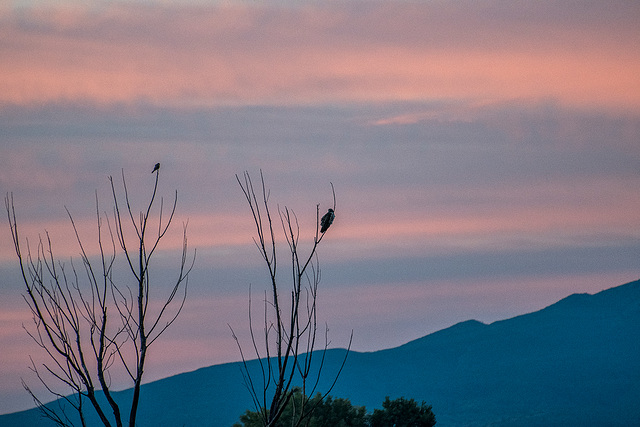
{"x":330,"y":52}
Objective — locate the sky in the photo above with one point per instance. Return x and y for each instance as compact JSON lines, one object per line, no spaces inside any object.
{"x":485,"y":154}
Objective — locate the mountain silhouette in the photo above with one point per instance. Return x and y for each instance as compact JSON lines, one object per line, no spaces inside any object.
{"x":574,"y":363}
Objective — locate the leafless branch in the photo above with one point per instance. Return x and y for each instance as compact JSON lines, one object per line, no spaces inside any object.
{"x":290,"y":328}
{"x":86,"y":323}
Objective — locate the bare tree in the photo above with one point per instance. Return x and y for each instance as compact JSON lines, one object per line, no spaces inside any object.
{"x":92,"y":323}
{"x":289,"y":336}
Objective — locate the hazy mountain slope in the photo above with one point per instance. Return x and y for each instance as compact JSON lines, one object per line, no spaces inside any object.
{"x":578,"y":359}
{"x":576,"y":362}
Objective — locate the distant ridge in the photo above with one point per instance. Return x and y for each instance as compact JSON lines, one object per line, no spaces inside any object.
{"x":573,"y":363}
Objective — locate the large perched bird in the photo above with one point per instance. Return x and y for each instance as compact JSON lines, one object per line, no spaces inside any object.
{"x":327,"y":220}
{"x":156,"y":167}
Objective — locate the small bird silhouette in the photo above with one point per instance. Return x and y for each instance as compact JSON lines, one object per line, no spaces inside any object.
{"x":156,"y":167}
{"x":327,"y":220}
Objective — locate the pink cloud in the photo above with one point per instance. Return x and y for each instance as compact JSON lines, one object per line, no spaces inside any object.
{"x":329,"y":52}
{"x":551,"y":214}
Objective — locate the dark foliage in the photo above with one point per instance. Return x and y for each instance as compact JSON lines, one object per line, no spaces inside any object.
{"x":403,"y":413}
{"x":338,"y":412}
